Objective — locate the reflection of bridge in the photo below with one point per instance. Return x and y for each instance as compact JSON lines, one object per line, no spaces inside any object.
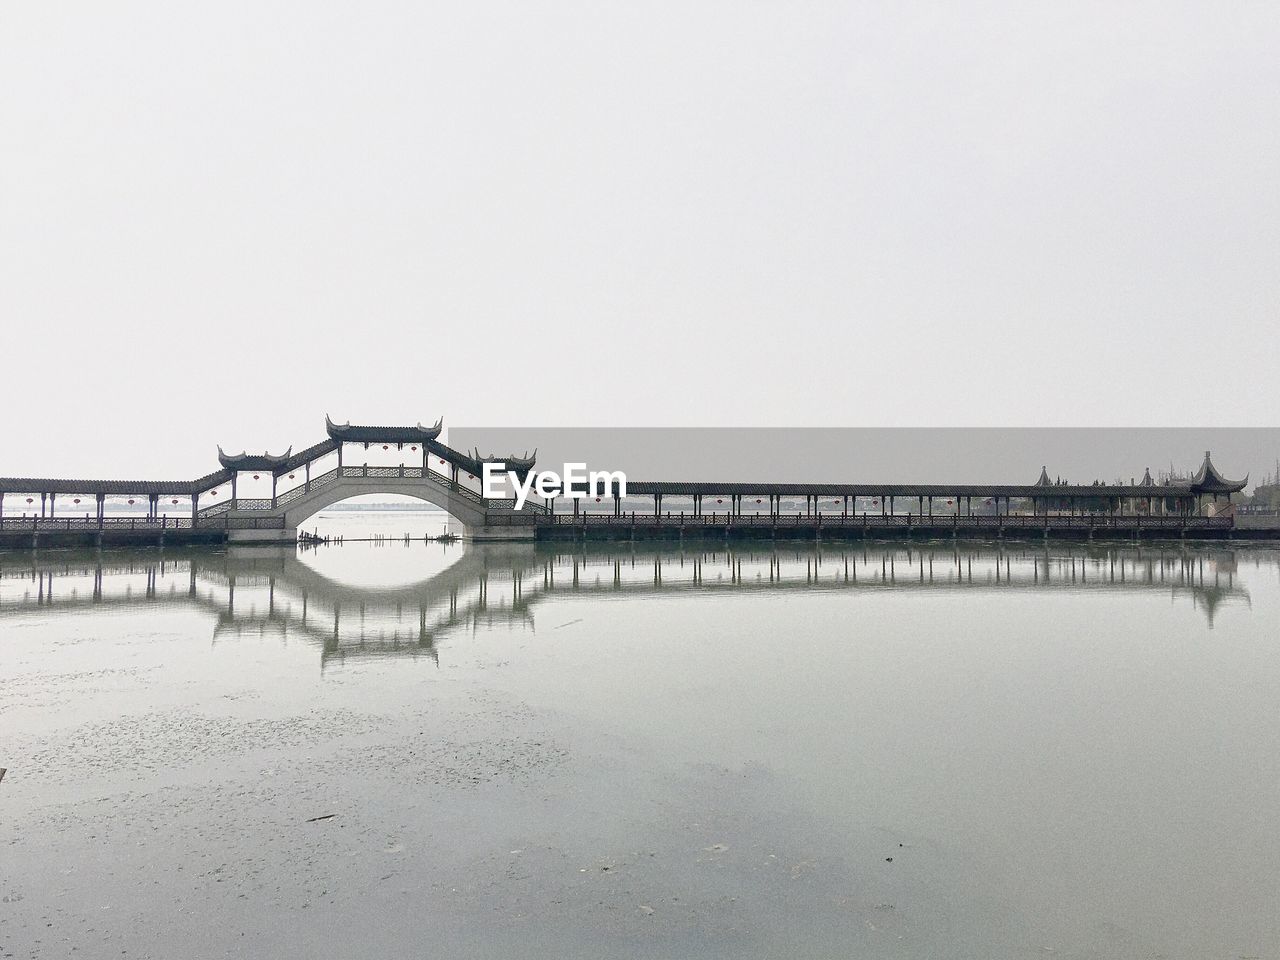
{"x":264,"y":498}
{"x":274,"y":592}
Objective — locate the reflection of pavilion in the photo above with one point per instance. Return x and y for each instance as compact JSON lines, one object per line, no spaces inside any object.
{"x":277,"y":594}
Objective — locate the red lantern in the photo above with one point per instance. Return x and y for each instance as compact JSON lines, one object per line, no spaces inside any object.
{"x":470,"y":476}
{"x":214,"y":494}
{"x":413,"y":449}
{"x":718,"y":500}
{"x":442,"y":463}
{"x":875,"y":503}
{"x":597,"y":499}
{"x":948,"y":503}
{"x":174,"y":500}
{"x":255,"y":476}
{"x":29,"y":500}
{"x":757,"y":499}
{"x":384,"y":446}
{"x":131,"y":501}
{"x":76,"y":500}
{"x":291,"y":476}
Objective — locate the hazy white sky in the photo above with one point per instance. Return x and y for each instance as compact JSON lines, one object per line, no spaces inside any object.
{"x":220,"y":221}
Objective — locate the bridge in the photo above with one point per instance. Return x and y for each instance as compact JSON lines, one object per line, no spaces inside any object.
{"x":257,"y":498}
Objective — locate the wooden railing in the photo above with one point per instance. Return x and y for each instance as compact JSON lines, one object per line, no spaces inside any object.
{"x":1012,"y":521}
{"x":213,"y":510}
{"x":91,"y":523}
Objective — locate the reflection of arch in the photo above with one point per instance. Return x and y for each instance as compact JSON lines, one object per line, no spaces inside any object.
{"x":474,"y":563}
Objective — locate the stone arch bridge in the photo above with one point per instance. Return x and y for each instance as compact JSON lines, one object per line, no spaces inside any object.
{"x":265,"y":497}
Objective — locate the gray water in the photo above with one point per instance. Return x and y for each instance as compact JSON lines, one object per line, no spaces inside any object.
{"x":930,"y":751}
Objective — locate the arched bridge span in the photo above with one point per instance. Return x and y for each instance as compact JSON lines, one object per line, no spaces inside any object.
{"x":264,"y":497}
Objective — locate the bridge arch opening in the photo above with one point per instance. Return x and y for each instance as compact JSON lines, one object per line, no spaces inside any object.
{"x":379,"y":516}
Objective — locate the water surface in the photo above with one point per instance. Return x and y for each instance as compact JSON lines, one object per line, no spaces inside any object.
{"x":937,"y":750}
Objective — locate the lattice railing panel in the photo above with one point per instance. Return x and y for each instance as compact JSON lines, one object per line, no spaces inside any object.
{"x":290,"y":496}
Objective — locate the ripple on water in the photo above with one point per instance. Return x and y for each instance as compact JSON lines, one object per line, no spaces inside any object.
{"x":175,"y":739}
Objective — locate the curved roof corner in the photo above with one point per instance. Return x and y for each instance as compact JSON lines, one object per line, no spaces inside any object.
{"x":347,"y":433}
{"x":1209,"y":480}
{"x":253,"y":461}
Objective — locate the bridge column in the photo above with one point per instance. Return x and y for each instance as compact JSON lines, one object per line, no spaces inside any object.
{"x":52,"y":499}
{"x":234,"y":476}
{"x":102,"y":506}
{"x":195,"y":508}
